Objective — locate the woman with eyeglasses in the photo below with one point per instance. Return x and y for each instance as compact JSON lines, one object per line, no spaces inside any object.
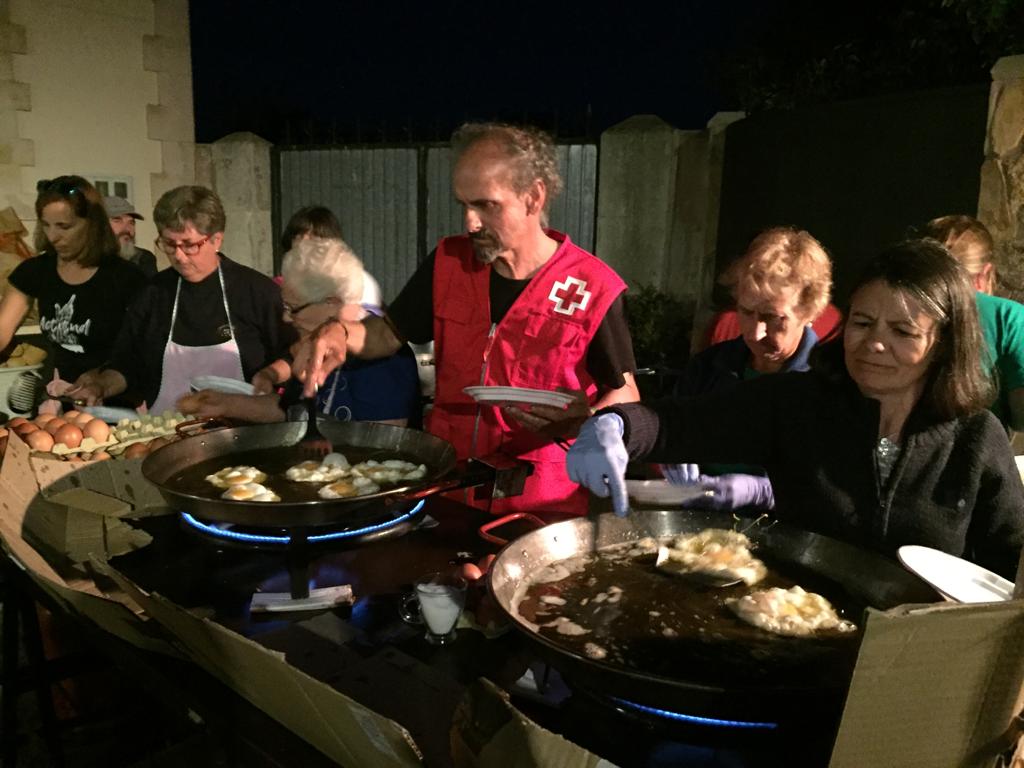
{"x":208,"y":316}
{"x":80,"y":283}
{"x":323,"y":280}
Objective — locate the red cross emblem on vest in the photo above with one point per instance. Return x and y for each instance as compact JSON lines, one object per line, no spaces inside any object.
{"x":569,"y":295}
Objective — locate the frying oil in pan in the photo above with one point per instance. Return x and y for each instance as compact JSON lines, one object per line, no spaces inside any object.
{"x":274,"y":462}
{"x":650,"y":622}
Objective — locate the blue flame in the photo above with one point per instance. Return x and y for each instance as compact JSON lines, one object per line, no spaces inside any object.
{"x":260,"y":538}
{"x":694,"y":718}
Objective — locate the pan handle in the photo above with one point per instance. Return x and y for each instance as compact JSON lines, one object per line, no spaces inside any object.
{"x":488,"y":526}
{"x":447,"y":483}
{"x":185,"y":428}
{"x":467,"y":474}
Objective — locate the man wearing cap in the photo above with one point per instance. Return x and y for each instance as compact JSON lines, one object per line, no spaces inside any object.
{"x":122,"y":220}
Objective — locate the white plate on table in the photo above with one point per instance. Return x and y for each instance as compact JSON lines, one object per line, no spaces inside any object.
{"x":221,"y":384}
{"x":109,"y":415}
{"x":956,"y":578}
{"x":518,"y":395}
{"x":661,"y":492}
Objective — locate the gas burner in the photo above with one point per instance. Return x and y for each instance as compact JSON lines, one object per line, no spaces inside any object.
{"x":234,"y":533}
{"x":300,"y":544}
{"x":644,"y":734}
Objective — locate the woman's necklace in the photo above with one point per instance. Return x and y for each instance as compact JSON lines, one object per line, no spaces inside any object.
{"x":887,"y":453}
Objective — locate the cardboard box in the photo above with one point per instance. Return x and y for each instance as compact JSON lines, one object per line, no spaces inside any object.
{"x":76,"y":510}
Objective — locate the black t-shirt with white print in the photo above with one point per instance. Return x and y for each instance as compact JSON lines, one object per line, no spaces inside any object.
{"x":79,"y":322}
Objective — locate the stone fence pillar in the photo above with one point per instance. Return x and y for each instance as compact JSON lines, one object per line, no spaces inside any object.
{"x":1001,"y":199}
{"x":237,"y":168}
{"x":658,"y":203}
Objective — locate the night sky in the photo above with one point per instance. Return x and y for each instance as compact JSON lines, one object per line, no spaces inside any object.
{"x":319,"y":72}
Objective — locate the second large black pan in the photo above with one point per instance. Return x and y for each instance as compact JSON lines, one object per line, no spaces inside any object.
{"x":179,"y":469}
{"x":731,"y":671}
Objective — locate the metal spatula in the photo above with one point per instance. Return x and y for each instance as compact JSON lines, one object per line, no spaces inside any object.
{"x":313,"y":443}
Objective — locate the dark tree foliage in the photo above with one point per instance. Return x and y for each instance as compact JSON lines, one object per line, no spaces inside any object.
{"x":805,"y":52}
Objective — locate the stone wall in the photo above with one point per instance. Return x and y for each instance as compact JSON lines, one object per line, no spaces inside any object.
{"x":170,"y":120}
{"x":237,"y":167}
{"x":16,"y":152}
{"x":1001,"y":200}
{"x":658,"y":198}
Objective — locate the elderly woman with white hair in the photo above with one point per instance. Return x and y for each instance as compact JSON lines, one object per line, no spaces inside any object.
{"x":323,"y":280}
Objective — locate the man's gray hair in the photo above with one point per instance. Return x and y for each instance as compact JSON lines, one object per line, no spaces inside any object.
{"x":530,"y":153}
{"x":318,"y":268}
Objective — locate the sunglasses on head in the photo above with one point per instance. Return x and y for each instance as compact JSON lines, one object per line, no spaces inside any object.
{"x":60,"y":185}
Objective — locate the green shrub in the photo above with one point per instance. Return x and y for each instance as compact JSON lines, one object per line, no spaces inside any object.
{"x":660,"y":326}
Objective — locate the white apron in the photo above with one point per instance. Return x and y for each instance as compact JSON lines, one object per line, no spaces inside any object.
{"x":182,"y":364}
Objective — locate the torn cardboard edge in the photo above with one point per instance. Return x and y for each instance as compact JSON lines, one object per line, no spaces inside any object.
{"x":489,"y":732}
{"x":66,"y":582}
{"x":338,"y":726}
{"x":65,"y":516}
{"x":27,"y":474}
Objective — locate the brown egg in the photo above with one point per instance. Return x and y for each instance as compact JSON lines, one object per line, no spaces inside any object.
{"x":136,"y":451}
{"x":470,"y":572}
{"x":82,"y":419}
{"x":71,"y":415}
{"x":157,"y":442}
{"x":97,"y":429}
{"x":101,"y":456}
{"x":17,"y":421}
{"x":39,"y":440}
{"x":74,"y":458}
{"x":25,"y":429}
{"x":54,"y":424}
{"x":69,"y":434}
{"x":43,"y":419}
{"x":3,"y":432}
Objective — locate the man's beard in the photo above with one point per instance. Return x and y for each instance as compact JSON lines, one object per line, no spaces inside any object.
{"x":486,"y":246}
{"x":128,"y":249}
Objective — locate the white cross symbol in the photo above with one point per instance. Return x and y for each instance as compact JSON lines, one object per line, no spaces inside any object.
{"x":575,"y":292}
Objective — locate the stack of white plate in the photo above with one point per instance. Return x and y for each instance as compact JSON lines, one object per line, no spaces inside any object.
{"x":518,"y":395}
{"x":956,"y":579}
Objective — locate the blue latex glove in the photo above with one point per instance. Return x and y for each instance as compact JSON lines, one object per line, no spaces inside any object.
{"x":598,"y":459}
{"x":734,"y":491}
{"x":680,"y":474}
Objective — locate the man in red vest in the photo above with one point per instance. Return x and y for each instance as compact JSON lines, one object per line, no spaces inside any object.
{"x":509,"y":303}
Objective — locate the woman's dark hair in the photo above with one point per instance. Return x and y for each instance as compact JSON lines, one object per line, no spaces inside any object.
{"x":925,"y":271}
{"x":85,"y":202}
{"x":313,"y":220}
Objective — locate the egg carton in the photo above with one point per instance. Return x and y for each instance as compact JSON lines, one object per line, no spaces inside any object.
{"x":88,"y":445}
{"x":143,"y":428}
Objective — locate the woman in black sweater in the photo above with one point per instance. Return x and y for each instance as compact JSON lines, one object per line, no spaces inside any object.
{"x":889,"y":445}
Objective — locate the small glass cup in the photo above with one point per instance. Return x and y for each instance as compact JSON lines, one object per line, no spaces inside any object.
{"x":436,"y":602}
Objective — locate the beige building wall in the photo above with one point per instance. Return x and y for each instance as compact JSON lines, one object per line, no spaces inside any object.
{"x":100,"y":88}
